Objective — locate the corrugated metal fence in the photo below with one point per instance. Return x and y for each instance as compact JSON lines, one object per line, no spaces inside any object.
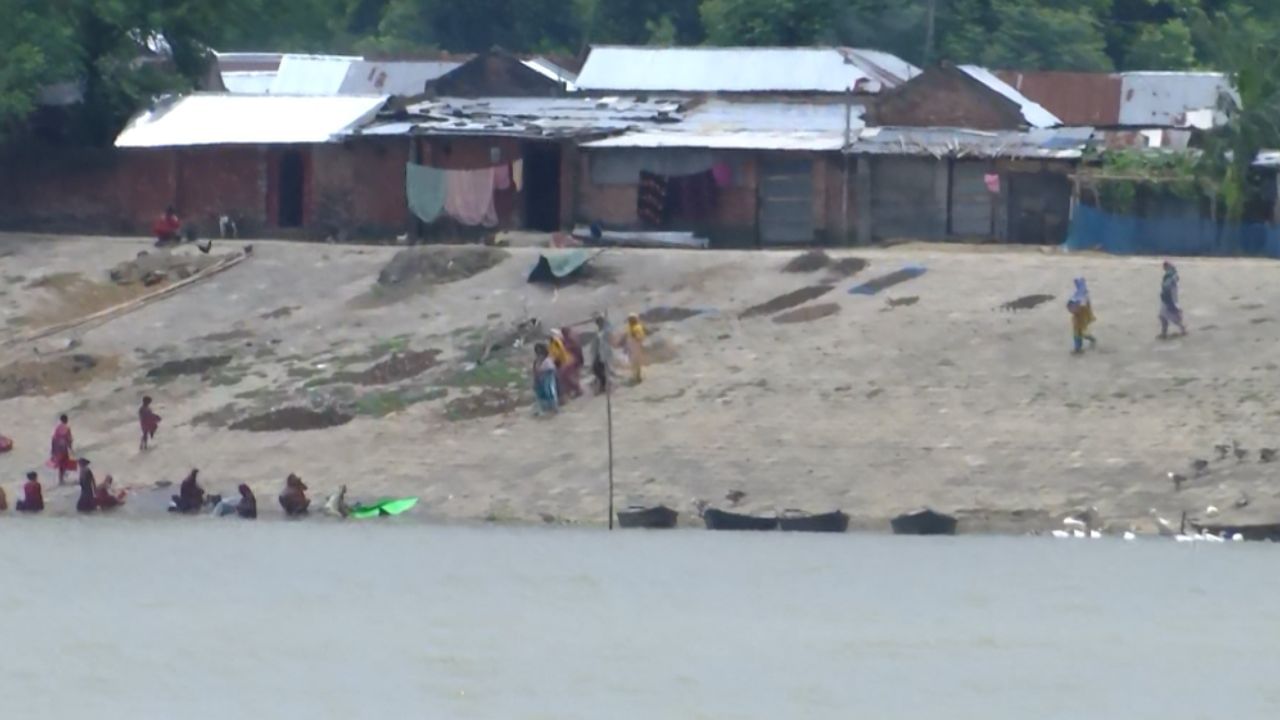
{"x":1093,"y":229}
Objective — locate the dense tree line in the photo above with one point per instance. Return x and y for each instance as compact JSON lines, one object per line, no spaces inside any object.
{"x":104,"y":44}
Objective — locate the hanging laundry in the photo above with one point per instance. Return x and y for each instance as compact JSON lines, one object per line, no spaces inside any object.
{"x":469,"y":197}
{"x":517,"y":174}
{"x":723,"y":174}
{"x":651,"y":200}
{"x":501,"y":177}
{"x":425,"y":189}
{"x":993,"y":182}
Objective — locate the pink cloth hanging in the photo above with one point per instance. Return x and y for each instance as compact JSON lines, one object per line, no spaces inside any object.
{"x":469,"y":197}
{"x":723,"y":174}
{"x":501,"y":177}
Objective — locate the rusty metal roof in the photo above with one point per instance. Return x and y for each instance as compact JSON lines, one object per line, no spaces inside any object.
{"x":1033,"y":113}
{"x":1077,"y":98}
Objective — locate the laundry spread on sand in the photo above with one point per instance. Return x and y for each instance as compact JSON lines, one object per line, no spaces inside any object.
{"x":873,"y":286}
{"x":558,"y":265}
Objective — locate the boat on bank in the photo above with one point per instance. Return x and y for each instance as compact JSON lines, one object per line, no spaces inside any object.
{"x":924,"y":522}
{"x":658,"y":517}
{"x":724,"y":520}
{"x":801,"y":521}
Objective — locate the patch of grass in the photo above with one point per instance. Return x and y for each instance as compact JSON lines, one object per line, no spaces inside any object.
{"x":225,"y":379}
{"x":381,"y":404}
{"x":493,"y":374}
{"x":302,"y":372}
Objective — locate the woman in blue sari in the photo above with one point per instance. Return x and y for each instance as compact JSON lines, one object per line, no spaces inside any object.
{"x":544,"y":380}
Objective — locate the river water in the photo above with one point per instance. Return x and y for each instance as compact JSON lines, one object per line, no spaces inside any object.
{"x":207,"y":619}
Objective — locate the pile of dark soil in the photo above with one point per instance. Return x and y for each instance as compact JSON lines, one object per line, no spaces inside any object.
{"x":848,"y":266}
{"x":1026,"y":302}
{"x":188,"y":366}
{"x":293,"y":418}
{"x":807,"y":314}
{"x":811,"y":261}
{"x":486,"y":403}
{"x":660,"y":315}
{"x":438,"y":265}
{"x":400,"y":366}
{"x":53,"y":376}
{"x":907,"y":301}
{"x":792,"y":299}
{"x":150,"y":268}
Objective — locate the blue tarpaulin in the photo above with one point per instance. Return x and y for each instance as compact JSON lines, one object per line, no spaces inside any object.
{"x":1094,"y":229}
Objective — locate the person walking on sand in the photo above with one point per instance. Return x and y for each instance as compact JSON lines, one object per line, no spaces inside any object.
{"x":1081,"y":309}
{"x":60,"y":448}
{"x":602,"y":355}
{"x":1169,"y":310}
{"x":634,"y":340}
{"x":32,"y":495}
{"x":544,"y":380}
{"x":149,"y":421}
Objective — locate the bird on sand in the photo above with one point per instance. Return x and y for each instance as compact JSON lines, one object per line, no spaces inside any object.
{"x":1267,"y":455}
{"x":1240,"y":452}
{"x":1177,"y":480}
{"x":735,"y":496}
{"x":1223,"y":451}
{"x":1200,"y":466}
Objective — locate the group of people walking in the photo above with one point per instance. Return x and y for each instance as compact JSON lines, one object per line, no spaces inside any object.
{"x":1080,"y":306}
{"x":558,"y":362}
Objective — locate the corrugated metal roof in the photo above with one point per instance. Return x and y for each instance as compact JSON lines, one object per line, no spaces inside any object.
{"x":1032,"y":112}
{"x":1076,"y":98}
{"x":530,"y":117}
{"x":1051,"y":143}
{"x":739,"y":70}
{"x":248,"y":82}
{"x":552,"y":71}
{"x":226,"y":119}
{"x":1172,"y":99}
{"x":400,"y":77}
{"x":312,"y":74}
{"x":725,"y":125}
{"x":247,"y":61}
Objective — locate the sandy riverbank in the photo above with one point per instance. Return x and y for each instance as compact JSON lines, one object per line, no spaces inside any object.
{"x":925,"y":393}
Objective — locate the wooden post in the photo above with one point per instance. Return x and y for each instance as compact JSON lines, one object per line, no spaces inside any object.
{"x":608,"y":409}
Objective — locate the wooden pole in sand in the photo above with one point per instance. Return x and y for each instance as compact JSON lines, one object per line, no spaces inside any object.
{"x":608,"y":410}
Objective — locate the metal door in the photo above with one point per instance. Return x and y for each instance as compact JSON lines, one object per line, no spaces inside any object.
{"x":786,"y":201}
{"x":904,"y":199}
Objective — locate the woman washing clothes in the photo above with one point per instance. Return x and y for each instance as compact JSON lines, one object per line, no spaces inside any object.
{"x":107,"y":496}
{"x":1081,"y":309}
{"x":293,"y":499}
{"x":32,"y":495}
{"x":190,"y":497}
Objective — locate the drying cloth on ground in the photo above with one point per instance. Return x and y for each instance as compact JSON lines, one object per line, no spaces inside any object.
{"x":425,"y":188}
{"x":871,"y":287}
{"x":517,"y":174}
{"x":558,"y":265}
{"x":651,"y":200}
{"x":469,"y":197}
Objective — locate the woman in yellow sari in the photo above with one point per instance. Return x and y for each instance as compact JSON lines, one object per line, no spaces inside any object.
{"x":1082,"y":317}
{"x":634,"y":339}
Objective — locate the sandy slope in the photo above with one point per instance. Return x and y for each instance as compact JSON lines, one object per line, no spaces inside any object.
{"x":876,"y":409}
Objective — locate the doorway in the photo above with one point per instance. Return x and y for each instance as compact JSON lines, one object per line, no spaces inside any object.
{"x":289,"y":184}
{"x":541,"y":186}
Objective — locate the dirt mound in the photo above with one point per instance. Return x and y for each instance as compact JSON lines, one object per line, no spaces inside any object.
{"x":808,"y":262}
{"x":849,"y":266}
{"x":486,"y":403}
{"x":400,"y":366}
{"x":438,"y":265}
{"x":807,"y":314}
{"x":188,"y":366}
{"x":1026,"y":302}
{"x":907,"y":301}
{"x":55,"y":375}
{"x":792,"y":299}
{"x":293,"y":418}
{"x":151,"y":268}
{"x":660,"y":315}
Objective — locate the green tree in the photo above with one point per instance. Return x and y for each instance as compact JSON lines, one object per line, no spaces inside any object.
{"x":1166,"y":46}
{"x":634,"y":22}
{"x":1035,"y":36}
{"x":767,"y":22}
{"x":35,"y":51}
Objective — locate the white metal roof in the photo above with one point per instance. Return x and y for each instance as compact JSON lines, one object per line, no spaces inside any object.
{"x":227,"y":119}
{"x":737,"y":70}
{"x":1172,"y":99}
{"x":353,"y":75}
{"x":1034,"y":113}
{"x":312,"y":74}
{"x":248,"y":82}
{"x":551,"y":71}
{"x":726,"y":125}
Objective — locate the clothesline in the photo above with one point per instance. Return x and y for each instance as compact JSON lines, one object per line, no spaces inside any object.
{"x":464,"y":195}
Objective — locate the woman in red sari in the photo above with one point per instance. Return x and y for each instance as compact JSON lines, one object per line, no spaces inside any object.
{"x":107,"y":496}
{"x":60,"y":449}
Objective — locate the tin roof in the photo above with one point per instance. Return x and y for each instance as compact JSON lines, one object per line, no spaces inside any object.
{"x":552,"y":71}
{"x":1033,"y":113}
{"x":1043,"y":143}
{"x":740,"y":70}
{"x":727,"y":125}
{"x":353,"y":75}
{"x":529,"y":117}
{"x":1132,"y":99}
{"x":248,"y":82}
{"x":227,"y":119}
